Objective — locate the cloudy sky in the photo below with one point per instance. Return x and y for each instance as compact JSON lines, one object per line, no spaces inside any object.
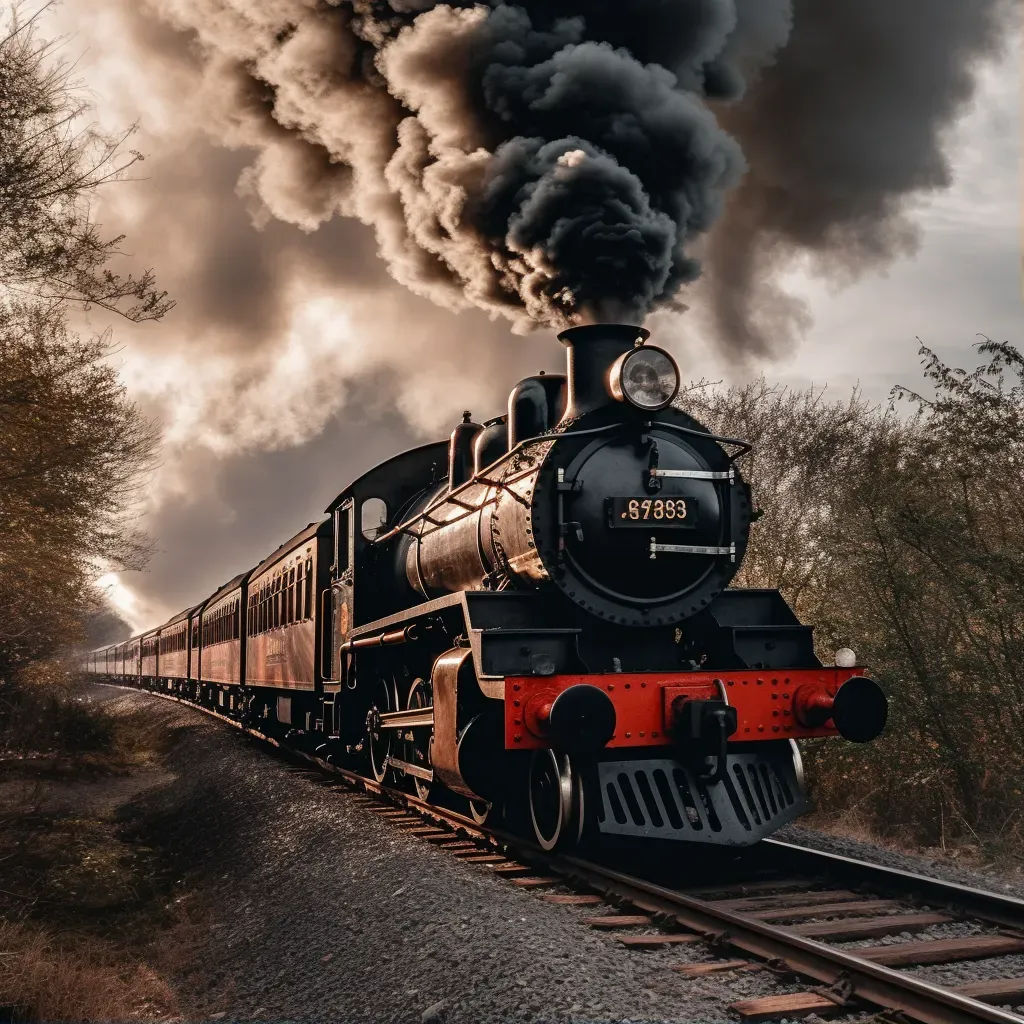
{"x":293,"y":362}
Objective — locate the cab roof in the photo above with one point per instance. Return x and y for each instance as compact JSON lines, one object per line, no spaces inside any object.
{"x":412,"y":463}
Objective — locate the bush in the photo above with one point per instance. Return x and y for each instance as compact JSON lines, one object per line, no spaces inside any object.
{"x":43,"y":713}
{"x":903,"y":538}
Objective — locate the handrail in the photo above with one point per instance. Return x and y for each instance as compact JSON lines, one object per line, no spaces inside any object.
{"x":483,"y":478}
{"x":327,"y":635}
{"x":744,"y":446}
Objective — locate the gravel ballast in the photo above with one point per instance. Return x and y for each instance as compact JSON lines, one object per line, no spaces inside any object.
{"x":319,"y":909}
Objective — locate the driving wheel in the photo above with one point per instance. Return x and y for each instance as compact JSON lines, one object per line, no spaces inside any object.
{"x":420,"y":739}
{"x":385,"y":700}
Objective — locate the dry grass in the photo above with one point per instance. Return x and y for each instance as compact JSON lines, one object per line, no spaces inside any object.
{"x":43,"y":978}
{"x":87,"y":929}
{"x":995,"y":853}
{"x":900,"y":793}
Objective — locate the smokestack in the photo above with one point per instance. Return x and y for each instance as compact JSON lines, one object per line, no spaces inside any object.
{"x":591,"y":351}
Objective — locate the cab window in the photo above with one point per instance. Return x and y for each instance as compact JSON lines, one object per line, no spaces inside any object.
{"x":374,"y":517}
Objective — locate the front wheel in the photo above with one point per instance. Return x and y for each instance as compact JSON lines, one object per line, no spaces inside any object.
{"x":557,"y":802}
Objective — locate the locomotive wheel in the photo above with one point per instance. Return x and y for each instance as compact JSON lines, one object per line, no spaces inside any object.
{"x":419,"y":748}
{"x":556,"y":801}
{"x":380,"y":740}
{"x":480,"y":811}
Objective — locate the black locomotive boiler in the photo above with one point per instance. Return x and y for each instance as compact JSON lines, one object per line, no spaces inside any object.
{"x":535,"y":617}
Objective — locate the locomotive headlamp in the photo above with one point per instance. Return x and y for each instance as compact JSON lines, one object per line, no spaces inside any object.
{"x":645,"y":377}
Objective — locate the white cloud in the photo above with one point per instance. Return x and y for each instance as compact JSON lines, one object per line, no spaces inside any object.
{"x":135,"y":609}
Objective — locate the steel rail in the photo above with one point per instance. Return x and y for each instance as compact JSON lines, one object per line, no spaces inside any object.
{"x":883,"y":986}
{"x":996,"y":908}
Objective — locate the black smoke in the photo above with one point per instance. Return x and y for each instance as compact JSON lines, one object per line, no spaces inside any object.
{"x":562,"y":160}
{"x":842,"y":135}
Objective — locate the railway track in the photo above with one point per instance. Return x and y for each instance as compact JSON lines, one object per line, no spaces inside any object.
{"x":802,"y":914}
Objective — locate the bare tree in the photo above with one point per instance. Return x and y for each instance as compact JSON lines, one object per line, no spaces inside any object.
{"x":51,"y":164}
{"x":73,"y":450}
{"x":903,"y":537}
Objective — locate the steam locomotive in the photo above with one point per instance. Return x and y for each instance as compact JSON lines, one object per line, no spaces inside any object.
{"x":533,"y":619}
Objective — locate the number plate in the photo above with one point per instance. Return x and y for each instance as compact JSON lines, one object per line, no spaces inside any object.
{"x":645,"y":513}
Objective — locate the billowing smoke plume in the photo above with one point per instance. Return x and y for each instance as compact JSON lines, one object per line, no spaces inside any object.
{"x":544,"y":161}
{"x":841,"y":135}
{"x":559,"y":159}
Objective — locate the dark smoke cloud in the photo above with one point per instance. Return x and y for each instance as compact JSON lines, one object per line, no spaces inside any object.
{"x":845,"y":129}
{"x":557,"y":160}
{"x":542,"y":161}
{"x":344,"y":140}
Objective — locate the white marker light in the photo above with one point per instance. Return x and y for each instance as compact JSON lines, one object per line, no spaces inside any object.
{"x":845,"y":658}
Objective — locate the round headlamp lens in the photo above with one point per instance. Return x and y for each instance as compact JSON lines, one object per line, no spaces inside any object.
{"x":648,"y":378}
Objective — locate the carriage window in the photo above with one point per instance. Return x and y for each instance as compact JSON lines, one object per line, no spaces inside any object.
{"x":374,"y":517}
{"x":309,"y":588}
